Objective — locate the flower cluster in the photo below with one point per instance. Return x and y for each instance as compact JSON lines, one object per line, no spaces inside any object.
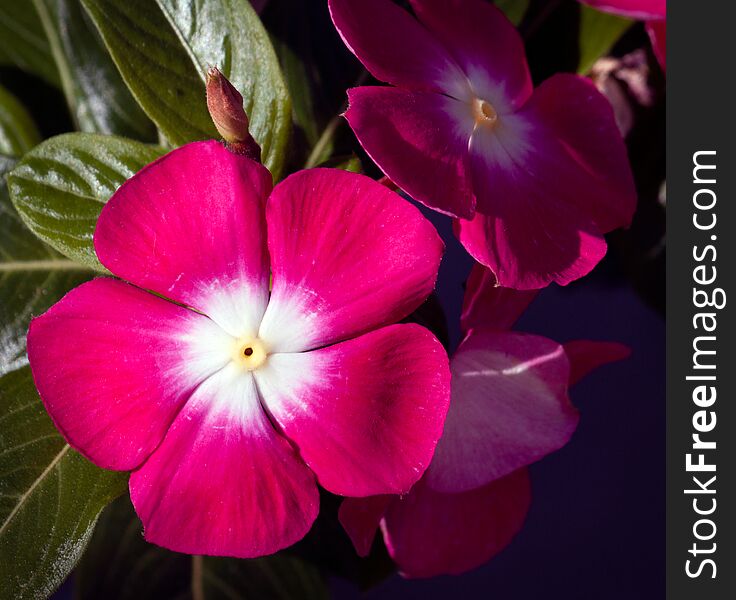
{"x":246,"y":349}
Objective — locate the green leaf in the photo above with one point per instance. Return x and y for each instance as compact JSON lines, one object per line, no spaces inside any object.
{"x":18,"y":132}
{"x":513,"y":9}
{"x":50,"y":497}
{"x":23,"y":42}
{"x":98,"y":99}
{"x":598,"y":33}
{"x":349,"y":163}
{"x":59,"y":187}
{"x":163,"y":55}
{"x":32,"y":277}
{"x":120,"y":565}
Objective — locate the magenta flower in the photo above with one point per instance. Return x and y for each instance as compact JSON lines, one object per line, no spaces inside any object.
{"x":227,"y":401}
{"x":509,"y":408}
{"x":535,"y":177}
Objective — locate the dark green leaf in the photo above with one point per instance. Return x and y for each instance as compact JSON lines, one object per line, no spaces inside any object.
{"x":50,"y":496}
{"x":598,"y":33}
{"x":513,"y":9}
{"x":60,"y":186}
{"x":120,"y":565}
{"x":97,"y":97}
{"x":163,"y":55}
{"x":23,"y":42}
{"x":32,"y":277}
{"x":346,"y":163}
{"x":18,"y":132}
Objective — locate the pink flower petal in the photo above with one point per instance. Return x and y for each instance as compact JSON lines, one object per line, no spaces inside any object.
{"x":635,"y":9}
{"x":420,"y":140}
{"x":657,"y":31}
{"x":530,"y":243}
{"x":223,"y":482}
{"x":348,"y":255}
{"x":485,"y":44}
{"x":577,"y":116}
{"x":190,"y":227}
{"x":365,"y":414}
{"x":394,"y":47}
{"x":360,"y":517}
{"x":114,"y":364}
{"x":428,"y":533}
{"x":487,"y":305}
{"x":586,"y":356}
{"x":509,"y":408}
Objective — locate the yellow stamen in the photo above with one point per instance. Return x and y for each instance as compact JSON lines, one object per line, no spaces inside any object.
{"x":484,"y":112}
{"x":250,"y":353}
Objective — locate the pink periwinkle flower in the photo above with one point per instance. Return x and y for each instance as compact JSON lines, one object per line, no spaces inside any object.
{"x":227,"y":401}
{"x":535,"y":177}
{"x":509,"y":408}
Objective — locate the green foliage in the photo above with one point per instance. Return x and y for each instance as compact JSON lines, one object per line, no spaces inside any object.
{"x":163,"y":56}
{"x":60,"y":186}
{"x":120,"y":565}
{"x":598,"y":33}
{"x":23,"y":41}
{"x":18,"y":132}
{"x":98,"y":99}
{"x":50,"y":497}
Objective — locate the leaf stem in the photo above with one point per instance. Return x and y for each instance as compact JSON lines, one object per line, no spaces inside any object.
{"x":197,"y":578}
{"x":316,"y":155}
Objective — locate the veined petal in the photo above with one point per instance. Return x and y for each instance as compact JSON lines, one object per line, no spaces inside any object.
{"x":394,"y":47}
{"x":365,"y":414}
{"x":190,"y":227}
{"x":114,"y":364}
{"x":348,"y":255}
{"x":486,"y":46}
{"x":428,"y":533}
{"x":224,"y":482}
{"x":586,"y":356}
{"x":509,"y":408}
{"x":490,"y":306}
{"x":360,"y":517}
{"x":420,"y":140}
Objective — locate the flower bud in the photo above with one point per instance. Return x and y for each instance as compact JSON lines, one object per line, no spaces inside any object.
{"x":225,"y":105}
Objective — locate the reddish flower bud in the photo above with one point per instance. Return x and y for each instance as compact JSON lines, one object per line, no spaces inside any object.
{"x":225,"y":105}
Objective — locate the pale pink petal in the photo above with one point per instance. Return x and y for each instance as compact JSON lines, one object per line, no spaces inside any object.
{"x":360,"y":517}
{"x":420,"y":140}
{"x":586,"y":356}
{"x":114,"y":364}
{"x":365,"y":414}
{"x":224,"y":482}
{"x":190,"y":227}
{"x":348,"y":255}
{"x":635,"y":9}
{"x":428,"y":533}
{"x":657,"y":31}
{"x":485,"y":44}
{"x":509,"y":408}
{"x":490,"y":306}
{"x":394,"y":47}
